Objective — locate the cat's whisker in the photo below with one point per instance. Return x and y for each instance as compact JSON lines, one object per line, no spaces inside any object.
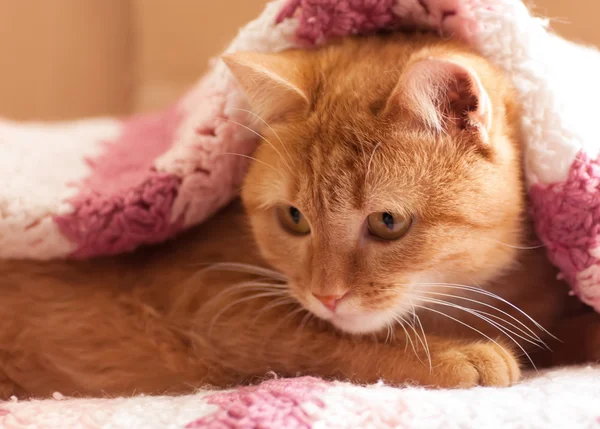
{"x":417,"y":336}
{"x":268,"y":125}
{"x":486,"y":293}
{"x":389,"y":331}
{"x":519,"y":247}
{"x":526,"y":334}
{"x":262,"y":293}
{"x":424,"y":342}
{"x":276,"y":303}
{"x":266,"y":140}
{"x":527,"y":331}
{"x":538,"y":325}
{"x":393,"y":332}
{"x":541,"y":343}
{"x":264,"y":282}
{"x":401,"y":320}
{"x":502,"y":329}
{"x":464,"y":324}
{"x":253,"y":159}
{"x":483,"y":316}
{"x":299,"y":310}
{"x":303,"y":323}
{"x":249,"y":286}
{"x":247,"y":269}
{"x":242,"y":300}
{"x":240,"y":189}
{"x":291,"y":314}
{"x":531,"y":334}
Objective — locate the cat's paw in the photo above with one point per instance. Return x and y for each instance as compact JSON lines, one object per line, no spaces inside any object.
{"x":475,"y":364}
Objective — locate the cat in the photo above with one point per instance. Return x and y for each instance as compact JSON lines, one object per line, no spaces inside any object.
{"x":381,"y":234}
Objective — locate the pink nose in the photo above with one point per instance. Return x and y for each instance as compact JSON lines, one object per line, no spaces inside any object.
{"x":329,"y":301}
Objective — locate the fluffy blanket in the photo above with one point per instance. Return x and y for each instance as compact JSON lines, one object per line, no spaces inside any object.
{"x":559,"y":400}
{"x":105,"y":186}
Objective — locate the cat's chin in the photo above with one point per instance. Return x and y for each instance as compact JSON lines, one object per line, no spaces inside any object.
{"x":362,"y":323}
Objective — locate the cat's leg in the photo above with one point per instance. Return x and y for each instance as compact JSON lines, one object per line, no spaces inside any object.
{"x":448,"y":364}
{"x":124,"y":349}
{"x":248,"y":342}
{"x":444,"y":363}
{"x":466,"y":364}
{"x":92,"y":347}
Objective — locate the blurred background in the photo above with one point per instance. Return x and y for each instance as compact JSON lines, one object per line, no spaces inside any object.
{"x":62,"y":59}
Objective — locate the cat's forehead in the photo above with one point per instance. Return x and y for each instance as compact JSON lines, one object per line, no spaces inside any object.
{"x":332,"y":162}
{"x":362,"y":164}
{"x":348,"y":175}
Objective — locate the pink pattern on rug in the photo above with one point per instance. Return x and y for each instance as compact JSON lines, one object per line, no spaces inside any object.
{"x":125,"y":202}
{"x":568,"y":221}
{"x":273,"y":404}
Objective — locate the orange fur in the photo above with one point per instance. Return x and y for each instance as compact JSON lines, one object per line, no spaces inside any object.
{"x":343,"y":141}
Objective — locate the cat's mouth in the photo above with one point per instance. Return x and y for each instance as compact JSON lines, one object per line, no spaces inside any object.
{"x":362,"y":323}
{"x":352,"y":319}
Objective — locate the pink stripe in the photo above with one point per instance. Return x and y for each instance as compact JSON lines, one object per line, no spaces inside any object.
{"x":567,"y":218}
{"x":272,"y":404}
{"x":320,"y":20}
{"x":126,"y":161}
{"x":124,"y":202}
{"x":108,"y":224}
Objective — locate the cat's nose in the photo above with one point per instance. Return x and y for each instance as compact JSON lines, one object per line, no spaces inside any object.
{"x":329,"y":301}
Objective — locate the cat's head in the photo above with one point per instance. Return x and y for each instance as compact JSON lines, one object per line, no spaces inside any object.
{"x":385,"y":169}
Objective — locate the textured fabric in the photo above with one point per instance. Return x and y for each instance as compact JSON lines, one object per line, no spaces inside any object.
{"x":106,"y":186}
{"x":100,"y":187}
{"x":561,"y":399}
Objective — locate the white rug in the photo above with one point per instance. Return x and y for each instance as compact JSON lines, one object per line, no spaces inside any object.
{"x":561,"y":398}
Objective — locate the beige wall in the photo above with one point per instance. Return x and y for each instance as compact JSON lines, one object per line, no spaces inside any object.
{"x":64,"y":58}
{"x":175,"y":43}
{"x":68,"y":58}
{"x":574,"y":19}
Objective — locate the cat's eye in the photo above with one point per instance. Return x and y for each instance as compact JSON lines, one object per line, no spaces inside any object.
{"x":292,"y":220}
{"x":388,"y":226}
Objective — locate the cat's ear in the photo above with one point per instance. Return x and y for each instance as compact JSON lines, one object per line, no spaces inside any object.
{"x":446,"y":95}
{"x":271,"y":82}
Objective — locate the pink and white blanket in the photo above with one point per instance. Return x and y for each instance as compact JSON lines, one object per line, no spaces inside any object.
{"x":106,"y":186}
{"x":561,"y":399}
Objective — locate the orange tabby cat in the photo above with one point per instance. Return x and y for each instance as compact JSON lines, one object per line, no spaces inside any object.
{"x":388,"y":240}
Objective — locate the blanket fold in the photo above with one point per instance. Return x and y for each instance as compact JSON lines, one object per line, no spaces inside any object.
{"x":106,"y":186}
